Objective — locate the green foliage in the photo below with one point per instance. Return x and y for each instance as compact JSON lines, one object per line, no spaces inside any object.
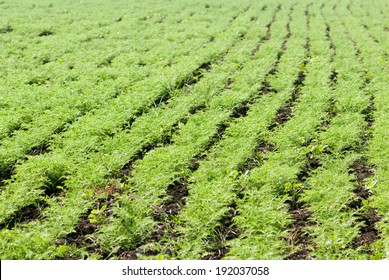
{"x":177,"y":130}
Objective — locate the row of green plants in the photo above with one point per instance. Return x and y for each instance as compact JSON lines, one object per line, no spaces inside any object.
{"x":375,"y":61}
{"x":37,"y":132}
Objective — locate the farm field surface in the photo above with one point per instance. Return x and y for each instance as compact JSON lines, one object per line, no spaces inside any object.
{"x":194,"y":129}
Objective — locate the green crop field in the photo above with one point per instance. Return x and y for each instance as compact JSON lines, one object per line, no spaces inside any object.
{"x":206,"y":129}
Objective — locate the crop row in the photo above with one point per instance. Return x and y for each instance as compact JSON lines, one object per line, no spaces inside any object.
{"x":375,"y":62}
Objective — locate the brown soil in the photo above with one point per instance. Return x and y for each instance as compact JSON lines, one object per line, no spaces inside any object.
{"x":7,"y":29}
{"x":196,"y":109}
{"x":267,"y":36}
{"x":80,"y":237}
{"x":177,"y":192}
{"x":284,"y":114}
{"x":258,"y":155}
{"x":331,"y":112}
{"x":312,"y":164}
{"x":266,"y":87}
{"x":240,"y":111}
{"x":228,"y":231}
{"x":45,"y":33}
{"x":289,"y":34}
{"x":40,"y":150}
{"x":334,"y":78}
{"x":368,"y":234}
{"x":5,"y":175}
{"x":369,"y":117}
{"x":362,"y":171}
{"x":195,"y":77}
{"x":298,"y":236}
{"x":26,"y":215}
{"x":229,"y":82}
